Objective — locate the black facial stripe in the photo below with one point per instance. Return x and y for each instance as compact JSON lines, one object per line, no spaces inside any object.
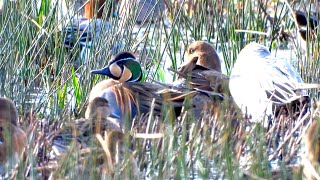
{"x":123,"y":55}
{"x":122,"y":68}
{"x":114,"y":77}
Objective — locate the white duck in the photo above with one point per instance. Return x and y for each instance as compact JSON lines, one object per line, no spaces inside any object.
{"x":259,"y":82}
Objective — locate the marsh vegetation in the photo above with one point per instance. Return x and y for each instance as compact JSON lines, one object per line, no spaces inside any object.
{"x":50,"y":85}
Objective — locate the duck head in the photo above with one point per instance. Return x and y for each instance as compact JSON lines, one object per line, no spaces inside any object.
{"x":99,"y":108}
{"x":123,"y":68}
{"x":301,"y":19}
{"x":8,"y":111}
{"x":307,"y":24}
{"x":201,"y":53}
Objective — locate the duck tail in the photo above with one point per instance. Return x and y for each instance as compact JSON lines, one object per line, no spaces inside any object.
{"x":307,"y":86}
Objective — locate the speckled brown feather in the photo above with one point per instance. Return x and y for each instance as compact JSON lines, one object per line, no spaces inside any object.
{"x":204,"y":79}
{"x":312,"y":143}
{"x":98,"y":118}
{"x":115,"y":143}
{"x":145,"y":92}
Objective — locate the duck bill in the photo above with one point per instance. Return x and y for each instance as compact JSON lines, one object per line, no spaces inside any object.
{"x":189,"y":66}
{"x":103,"y":71}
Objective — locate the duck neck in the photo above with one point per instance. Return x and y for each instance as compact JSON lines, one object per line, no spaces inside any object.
{"x":93,"y":7}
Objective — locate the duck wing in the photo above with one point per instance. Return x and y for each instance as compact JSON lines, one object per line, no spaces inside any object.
{"x":202,"y":79}
{"x":151,"y":96}
{"x":78,"y":32}
{"x":83,"y":31}
{"x":281,"y":82}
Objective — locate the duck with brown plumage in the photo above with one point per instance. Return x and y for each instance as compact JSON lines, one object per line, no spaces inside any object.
{"x":104,"y":139}
{"x":13,"y":139}
{"x":311,"y":158}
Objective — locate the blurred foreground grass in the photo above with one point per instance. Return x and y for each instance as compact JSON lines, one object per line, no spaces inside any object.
{"x":38,"y":74}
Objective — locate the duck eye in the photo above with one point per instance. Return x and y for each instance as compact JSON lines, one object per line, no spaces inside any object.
{"x":191,"y":51}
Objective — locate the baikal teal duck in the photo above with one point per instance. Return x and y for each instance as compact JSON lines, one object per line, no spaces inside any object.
{"x":124,"y":91}
{"x":123,"y":68}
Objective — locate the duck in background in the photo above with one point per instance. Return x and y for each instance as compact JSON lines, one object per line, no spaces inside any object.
{"x":13,"y":139}
{"x":84,"y":30}
{"x":261,"y":84}
{"x":307,"y":24}
{"x":201,"y":53}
